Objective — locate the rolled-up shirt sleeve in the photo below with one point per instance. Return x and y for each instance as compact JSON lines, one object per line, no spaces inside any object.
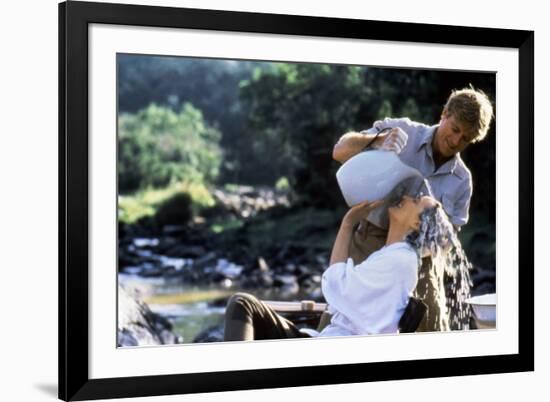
{"x":335,"y":278}
{"x":460,"y":214}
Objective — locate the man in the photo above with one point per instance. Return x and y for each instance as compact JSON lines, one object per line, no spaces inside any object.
{"x":435,"y":152}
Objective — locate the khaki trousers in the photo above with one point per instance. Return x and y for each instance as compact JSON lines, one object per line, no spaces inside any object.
{"x":247,"y":319}
{"x":368,"y":238}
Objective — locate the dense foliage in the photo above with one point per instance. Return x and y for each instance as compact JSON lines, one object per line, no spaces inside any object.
{"x":211,"y":85}
{"x":158,"y":147}
{"x":298,"y":111}
{"x":276,"y":120}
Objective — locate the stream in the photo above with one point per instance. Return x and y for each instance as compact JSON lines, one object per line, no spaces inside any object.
{"x":192,"y":292}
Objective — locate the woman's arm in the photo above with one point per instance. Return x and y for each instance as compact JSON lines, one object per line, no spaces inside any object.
{"x":340,"y":249}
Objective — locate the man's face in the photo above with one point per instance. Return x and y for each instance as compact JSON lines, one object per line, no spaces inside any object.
{"x":451,"y":137}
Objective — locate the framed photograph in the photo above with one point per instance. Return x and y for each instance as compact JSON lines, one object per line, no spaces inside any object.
{"x":256,"y":200}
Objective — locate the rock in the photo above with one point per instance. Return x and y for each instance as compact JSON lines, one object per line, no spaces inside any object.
{"x":289,"y":291}
{"x":246,"y":202}
{"x":145,"y":242}
{"x":169,"y":338}
{"x":174,"y":263}
{"x":186,"y":251}
{"x":221,"y":302}
{"x":127,"y":337}
{"x":302,"y":270}
{"x":166,"y":243}
{"x":290,"y":268}
{"x":262,"y":264}
{"x":228,"y":269}
{"x":257,"y":279}
{"x":145,"y":255}
{"x":190,"y":276}
{"x":321,"y":260}
{"x":265,"y":280}
{"x":284,"y":280}
{"x":131,"y":270}
{"x":171,"y":230}
{"x":288,"y":284}
{"x":139,"y":326}
{"x":210,"y":334}
{"x":152,"y":272}
{"x":309,"y":282}
{"x":207,"y":259}
{"x":174,"y":211}
{"x":317,"y":295}
{"x":126,"y":259}
{"x":226,"y":283}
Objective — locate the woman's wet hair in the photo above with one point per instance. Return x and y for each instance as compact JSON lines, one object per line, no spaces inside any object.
{"x":435,"y":232}
{"x":437,"y":238}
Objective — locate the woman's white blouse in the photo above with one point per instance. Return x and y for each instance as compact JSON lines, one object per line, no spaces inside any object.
{"x":370,"y":298}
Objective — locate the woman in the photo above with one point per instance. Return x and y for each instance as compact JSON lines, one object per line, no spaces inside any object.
{"x":368,"y":298}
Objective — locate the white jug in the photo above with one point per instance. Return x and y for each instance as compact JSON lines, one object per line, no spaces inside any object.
{"x":372,"y":175}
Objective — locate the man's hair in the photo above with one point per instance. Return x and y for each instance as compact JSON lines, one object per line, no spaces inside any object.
{"x":473,"y":108}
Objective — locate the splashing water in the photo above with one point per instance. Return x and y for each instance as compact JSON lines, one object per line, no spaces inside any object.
{"x":439,"y":240}
{"x":458,"y":268}
{"x":448,"y":268}
{"x":448,"y":263}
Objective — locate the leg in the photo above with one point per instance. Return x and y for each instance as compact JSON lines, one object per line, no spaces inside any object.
{"x":247,"y":318}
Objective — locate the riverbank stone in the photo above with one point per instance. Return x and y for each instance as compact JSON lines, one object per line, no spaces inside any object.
{"x":139,"y":326}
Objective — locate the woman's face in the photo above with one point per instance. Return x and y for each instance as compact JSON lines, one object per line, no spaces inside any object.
{"x":408,"y":211}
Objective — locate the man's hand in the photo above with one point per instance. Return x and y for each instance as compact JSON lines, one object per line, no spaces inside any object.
{"x":350,"y":144}
{"x":393,"y":140}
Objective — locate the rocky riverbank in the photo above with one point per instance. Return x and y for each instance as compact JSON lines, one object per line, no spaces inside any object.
{"x":139,"y":326}
{"x":254,"y":254}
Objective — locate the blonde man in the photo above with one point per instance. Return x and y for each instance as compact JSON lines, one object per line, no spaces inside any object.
{"x":435,"y":152}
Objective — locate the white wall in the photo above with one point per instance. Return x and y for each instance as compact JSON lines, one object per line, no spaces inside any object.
{"x":28,"y":198}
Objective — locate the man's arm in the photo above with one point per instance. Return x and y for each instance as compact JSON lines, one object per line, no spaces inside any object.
{"x":350,"y":144}
{"x":462,"y":207}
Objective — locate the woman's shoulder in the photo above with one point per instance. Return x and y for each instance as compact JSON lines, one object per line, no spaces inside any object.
{"x":397,"y":253}
{"x":403,"y":247}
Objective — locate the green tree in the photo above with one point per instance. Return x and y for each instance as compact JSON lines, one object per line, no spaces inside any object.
{"x":296,"y":114}
{"x":211,"y":85}
{"x":158,"y":146}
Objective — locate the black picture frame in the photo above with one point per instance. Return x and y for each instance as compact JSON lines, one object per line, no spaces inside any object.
{"x":74,"y":18}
